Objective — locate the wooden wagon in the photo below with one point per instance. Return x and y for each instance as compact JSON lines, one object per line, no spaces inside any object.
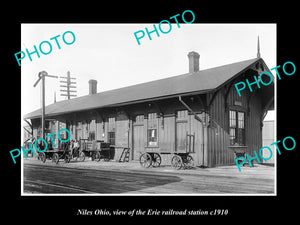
{"x":86,"y":149}
{"x":96,"y":149}
{"x":180,"y":159}
{"x":55,"y":154}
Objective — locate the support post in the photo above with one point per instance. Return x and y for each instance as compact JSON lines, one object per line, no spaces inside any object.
{"x":42,"y":76}
{"x":43,"y":106}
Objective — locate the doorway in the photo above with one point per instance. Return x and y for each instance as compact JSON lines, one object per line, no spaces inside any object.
{"x":138,"y":137}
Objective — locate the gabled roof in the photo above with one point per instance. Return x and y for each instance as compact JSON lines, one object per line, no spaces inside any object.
{"x":198,"y":82}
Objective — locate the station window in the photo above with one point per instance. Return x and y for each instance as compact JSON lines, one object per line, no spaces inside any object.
{"x":112,"y":130}
{"x":237,"y":127}
{"x":139,"y":119}
{"x":182,"y":115}
{"x":111,"y":138}
{"x":152,"y":139}
{"x":111,"y":123}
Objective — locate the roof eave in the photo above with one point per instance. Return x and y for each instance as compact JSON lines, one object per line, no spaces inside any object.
{"x":123,"y":103}
{"x":239,"y":73}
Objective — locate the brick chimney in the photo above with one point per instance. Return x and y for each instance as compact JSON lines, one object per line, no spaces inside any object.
{"x":92,"y":87}
{"x":193,"y":62}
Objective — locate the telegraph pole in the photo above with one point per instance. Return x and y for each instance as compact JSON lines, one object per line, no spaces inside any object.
{"x":42,"y":76}
{"x":68,"y":86}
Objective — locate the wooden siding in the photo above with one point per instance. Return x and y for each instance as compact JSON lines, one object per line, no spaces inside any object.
{"x":197,"y":129}
{"x":138,"y":142}
{"x":121,"y":134}
{"x":218,"y":135}
{"x":167,"y":133}
{"x":128,"y":132}
{"x":254,"y":134}
{"x":122,"y":129}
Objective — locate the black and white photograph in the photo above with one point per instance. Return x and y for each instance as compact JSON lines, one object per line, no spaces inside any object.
{"x":165,"y":116}
{"x":149,"y":113}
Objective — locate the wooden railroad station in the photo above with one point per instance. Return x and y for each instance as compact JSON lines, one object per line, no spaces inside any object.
{"x":199,"y":112}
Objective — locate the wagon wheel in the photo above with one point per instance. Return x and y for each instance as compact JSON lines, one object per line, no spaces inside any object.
{"x":106,"y":159}
{"x":189,"y":161}
{"x":81,"y":156}
{"x":39,"y":156}
{"x":67,"y":158}
{"x":145,"y":160}
{"x":93,"y":156}
{"x":97,"y":156}
{"x":55,"y":158}
{"x":42,"y":156}
{"x":156,"y":160}
{"x":176,"y":162}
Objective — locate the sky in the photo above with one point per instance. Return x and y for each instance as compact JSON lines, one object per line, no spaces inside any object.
{"x":110,"y":54}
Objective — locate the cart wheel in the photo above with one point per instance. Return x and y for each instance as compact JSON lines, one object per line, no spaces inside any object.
{"x":189,"y":162}
{"x":67,"y":158}
{"x":156,"y":160}
{"x":81,"y":156}
{"x":145,"y":160}
{"x":97,"y":156}
{"x":93,"y":156}
{"x":55,"y":158}
{"x":42,"y":157}
{"x":176,"y":162}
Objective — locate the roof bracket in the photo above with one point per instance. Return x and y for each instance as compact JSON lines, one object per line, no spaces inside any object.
{"x":227,"y":90}
{"x":161,"y":112}
{"x":190,"y":110}
{"x":212,"y":98}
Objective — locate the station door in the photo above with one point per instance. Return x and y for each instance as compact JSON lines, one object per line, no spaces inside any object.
{"x":138,"y":141}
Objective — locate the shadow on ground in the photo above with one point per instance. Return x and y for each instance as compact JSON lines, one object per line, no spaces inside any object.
{"x":55,"y":179}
